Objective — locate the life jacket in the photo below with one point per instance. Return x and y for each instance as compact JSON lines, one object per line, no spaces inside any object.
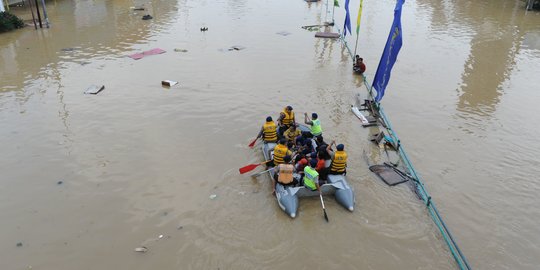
{"x":289,"y":118}
{"x":280,"y":151}
{"x":270,"y":132}
{"x":285,"y":173}
{"x":339,"y":162}
{"x":310,"y":176}
{"x":316,"y":128}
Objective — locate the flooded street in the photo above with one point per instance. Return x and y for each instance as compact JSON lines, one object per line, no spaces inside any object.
{"x":85,"y":179}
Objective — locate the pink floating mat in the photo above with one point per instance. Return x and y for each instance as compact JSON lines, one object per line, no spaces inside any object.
{"x":137,"y":56}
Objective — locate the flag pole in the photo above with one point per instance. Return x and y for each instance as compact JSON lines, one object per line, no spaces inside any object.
{"x":333,"y":9}
{"x":356,"y":46}
{"x":326,"y":13}
{"x":358,"y":20}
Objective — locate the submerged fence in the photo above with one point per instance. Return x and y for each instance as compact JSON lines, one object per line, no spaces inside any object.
{"x":460,"y":259}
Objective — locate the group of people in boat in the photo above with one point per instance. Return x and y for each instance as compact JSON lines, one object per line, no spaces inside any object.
{"x":300,"y":157}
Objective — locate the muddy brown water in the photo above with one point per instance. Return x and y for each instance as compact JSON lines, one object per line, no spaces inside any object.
{"x":138,"y":160}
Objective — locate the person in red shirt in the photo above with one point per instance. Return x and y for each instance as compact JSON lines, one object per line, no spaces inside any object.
{"x":301,"y":163}
{"x":359,"y":66}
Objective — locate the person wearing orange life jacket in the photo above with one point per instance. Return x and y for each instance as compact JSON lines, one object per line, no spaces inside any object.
{"x":286,"y":120}
{"x":280,"y":151}
{"x":284,"y":173}
{"x":339,"y":159}
{"x":268,"y":131}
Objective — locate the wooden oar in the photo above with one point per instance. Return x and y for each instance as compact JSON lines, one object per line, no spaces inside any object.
{"x":250,"y":167}
{"x":323,"y":208}
{"x":253,"y":143}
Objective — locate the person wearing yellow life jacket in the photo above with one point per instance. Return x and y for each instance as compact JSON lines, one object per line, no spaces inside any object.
{"x":291,"y":134}
{"x":311,"y":176}
{"x":315,"y":128}
{"x":280,"y":151}
{"x":284,"y":173}
{"x":268,"y":131}
{"x":339,"y":159}
{"x":286,"y":120}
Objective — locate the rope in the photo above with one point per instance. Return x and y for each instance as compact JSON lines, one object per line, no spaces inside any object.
{"x":432,"y":209}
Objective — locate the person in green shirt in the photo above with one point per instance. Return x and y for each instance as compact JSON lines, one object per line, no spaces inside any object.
{"x":311,"y":176}
{"x":315,"y":128}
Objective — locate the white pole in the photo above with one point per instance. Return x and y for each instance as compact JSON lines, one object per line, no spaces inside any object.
{"x":45,"y":13}
{"x":2,"y":6}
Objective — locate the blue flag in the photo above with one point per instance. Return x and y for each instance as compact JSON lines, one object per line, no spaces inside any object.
{"x":347,"y":25}
{"x":389,"y":56}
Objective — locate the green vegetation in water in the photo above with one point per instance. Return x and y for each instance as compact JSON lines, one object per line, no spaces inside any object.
{"x":9,"y":22}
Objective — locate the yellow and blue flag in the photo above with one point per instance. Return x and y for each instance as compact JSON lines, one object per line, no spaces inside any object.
{"x":389,"y":56}
{"x":347,"y":24}
{"x":359,"y":17}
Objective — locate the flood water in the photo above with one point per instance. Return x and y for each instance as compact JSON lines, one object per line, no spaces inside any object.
{"x":139,"y":160}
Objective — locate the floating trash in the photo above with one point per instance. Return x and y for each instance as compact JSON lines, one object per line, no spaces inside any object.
{"x":283,"y":33}
{"x":59,"y":182}
{"x":237,"y":48}
{"x":147,"y":17}
{"x":213,"y":196}
{"x":180,"y":50}
{"x":137,"y":56}
{"x":160,"y":236}
{"x":168,"y":83}
{"x":141,"y":249}
{"x":19,"y":244}
{"x":204,"y":29}
{"x":94,"y":89}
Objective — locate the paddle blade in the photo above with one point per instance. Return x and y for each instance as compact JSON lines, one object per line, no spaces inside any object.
{"x":248,"y":168}
{"x":325,"y":215}
{"x":252,"y":143}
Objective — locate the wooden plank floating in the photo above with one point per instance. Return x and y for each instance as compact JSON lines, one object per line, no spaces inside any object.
{"x":327,"y":35}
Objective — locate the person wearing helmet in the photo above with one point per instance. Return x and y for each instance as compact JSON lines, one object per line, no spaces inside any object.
{"x":268,"y":131}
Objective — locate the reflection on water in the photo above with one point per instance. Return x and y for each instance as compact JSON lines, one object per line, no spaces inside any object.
{"x":97,"y":30}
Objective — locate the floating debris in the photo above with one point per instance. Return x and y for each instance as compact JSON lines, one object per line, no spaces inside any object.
{"x":137,"y":56}
{"x":204,"y":29}
{"x":236,"y":48}
{"x":68,"y":49}
{"x":94,"y":89}
{"x":160,"y":236}
{"x":213,"y":196}
{"x":141,"y":249}
{"x":147,"y":17}
{"x":168,"y":83}
{"x":59,"y":182}
{"x":283,"y":33}
{"x":138,"y":8}
{"x":179,"y":227}
{"x":19,"y":244}
{"x":180,"y":50}
{"x":327,"y":35}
